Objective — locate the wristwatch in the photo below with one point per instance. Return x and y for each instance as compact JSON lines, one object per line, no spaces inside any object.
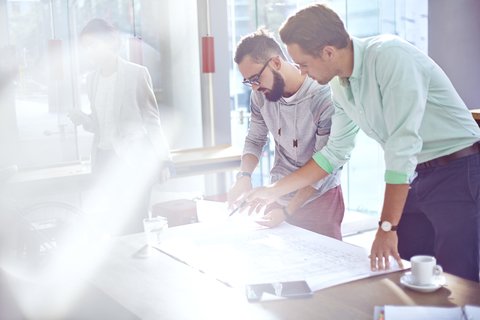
{"x":242,"y":174}
{"x":387,"y":226}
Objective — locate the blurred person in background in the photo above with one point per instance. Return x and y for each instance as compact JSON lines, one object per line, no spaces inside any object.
{"x":129,"y":151}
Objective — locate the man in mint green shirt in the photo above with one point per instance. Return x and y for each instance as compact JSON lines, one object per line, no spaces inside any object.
{"x":402,"y":99}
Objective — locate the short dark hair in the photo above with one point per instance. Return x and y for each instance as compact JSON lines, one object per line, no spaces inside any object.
{"x":314,"y":27}
{"x":104,"y":30}
{"x":260,"y":46}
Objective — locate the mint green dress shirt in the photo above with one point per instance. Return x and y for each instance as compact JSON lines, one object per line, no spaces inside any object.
{"x":403,"y":100}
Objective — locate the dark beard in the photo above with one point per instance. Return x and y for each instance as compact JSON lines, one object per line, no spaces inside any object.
{"x":278,"y":88}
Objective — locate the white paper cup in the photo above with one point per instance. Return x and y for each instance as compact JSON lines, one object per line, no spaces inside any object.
{"x":424,"y":270}
{"x":154,"y":228}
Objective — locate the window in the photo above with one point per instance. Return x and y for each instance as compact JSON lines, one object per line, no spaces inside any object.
{"x":35,"y":129}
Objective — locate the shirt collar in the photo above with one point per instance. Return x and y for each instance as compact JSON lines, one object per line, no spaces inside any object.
{"x":358,"y":50}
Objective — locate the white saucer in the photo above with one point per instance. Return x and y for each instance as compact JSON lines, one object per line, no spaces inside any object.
{"x":438,"y":282}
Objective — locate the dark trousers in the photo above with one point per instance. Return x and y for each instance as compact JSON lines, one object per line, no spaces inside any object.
{"x":441,"y":217}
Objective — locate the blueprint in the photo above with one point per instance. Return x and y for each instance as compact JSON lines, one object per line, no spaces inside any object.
{"x":240,"y":252}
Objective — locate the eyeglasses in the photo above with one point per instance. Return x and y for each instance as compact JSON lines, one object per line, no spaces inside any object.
{"x":255,"y":81}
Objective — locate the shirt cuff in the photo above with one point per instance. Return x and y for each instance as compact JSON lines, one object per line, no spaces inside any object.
{"x":323,"y":162}
{"x":393,"y":177}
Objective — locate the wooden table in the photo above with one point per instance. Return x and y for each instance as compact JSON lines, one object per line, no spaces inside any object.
{"x":159,"y":287}
{"x":127,"y":280}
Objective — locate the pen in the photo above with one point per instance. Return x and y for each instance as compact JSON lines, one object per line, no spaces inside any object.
{"x":237,"y":208}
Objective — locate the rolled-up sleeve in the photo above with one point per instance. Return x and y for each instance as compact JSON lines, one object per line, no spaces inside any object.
{"x":403,"y":84}
{"x":324,"y":124}
{"x":340,"y":143}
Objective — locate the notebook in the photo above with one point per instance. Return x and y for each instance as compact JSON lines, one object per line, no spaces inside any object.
{"x":469,"y":312}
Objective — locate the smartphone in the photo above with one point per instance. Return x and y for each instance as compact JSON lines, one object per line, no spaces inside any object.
{"x":290,"y":289}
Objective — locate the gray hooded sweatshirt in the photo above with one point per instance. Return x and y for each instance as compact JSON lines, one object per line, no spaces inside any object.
{"x":300,"y":127}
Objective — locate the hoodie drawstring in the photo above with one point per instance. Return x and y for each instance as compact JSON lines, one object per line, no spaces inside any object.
{"x":295,"y":140}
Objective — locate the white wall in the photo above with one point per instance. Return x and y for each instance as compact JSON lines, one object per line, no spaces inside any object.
{"x":454,"y":43}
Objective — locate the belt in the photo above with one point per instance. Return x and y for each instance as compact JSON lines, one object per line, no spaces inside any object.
{"x":441,"y":161}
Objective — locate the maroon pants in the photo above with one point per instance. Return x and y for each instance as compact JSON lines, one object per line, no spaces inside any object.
{"x":323,"y":215}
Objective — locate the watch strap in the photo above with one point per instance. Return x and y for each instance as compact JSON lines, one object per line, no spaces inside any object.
{"x":287,"y":215}
{"x":243,"y":174}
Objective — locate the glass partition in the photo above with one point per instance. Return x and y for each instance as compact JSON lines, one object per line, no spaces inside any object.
{"x":38,"y":93}
{"x":45,"y":68}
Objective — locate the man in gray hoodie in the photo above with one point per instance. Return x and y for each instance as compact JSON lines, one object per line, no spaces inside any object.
{"x":297,"y":111}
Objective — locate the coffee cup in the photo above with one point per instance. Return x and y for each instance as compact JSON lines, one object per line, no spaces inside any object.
{"x":424,"y":270}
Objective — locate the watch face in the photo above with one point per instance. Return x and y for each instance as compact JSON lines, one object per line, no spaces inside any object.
{"x":386,"y":226}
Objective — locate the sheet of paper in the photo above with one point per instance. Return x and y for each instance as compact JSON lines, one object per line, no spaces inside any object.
{"x":240,"y":252}
{"x":472,"y":312}
{"x":211,"y":210}
{"x":422,"y":313}
{"x":208,"y":211}
{"x":376,"y":313}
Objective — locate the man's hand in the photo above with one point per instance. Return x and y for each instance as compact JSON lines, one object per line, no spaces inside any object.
{"x":240,"y":188}
{"x":77,"y":117}
{"x":384,"y":245}
{"x":260,"y":197}
{"x":272,"y":219}
{"x":164,"y":175}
